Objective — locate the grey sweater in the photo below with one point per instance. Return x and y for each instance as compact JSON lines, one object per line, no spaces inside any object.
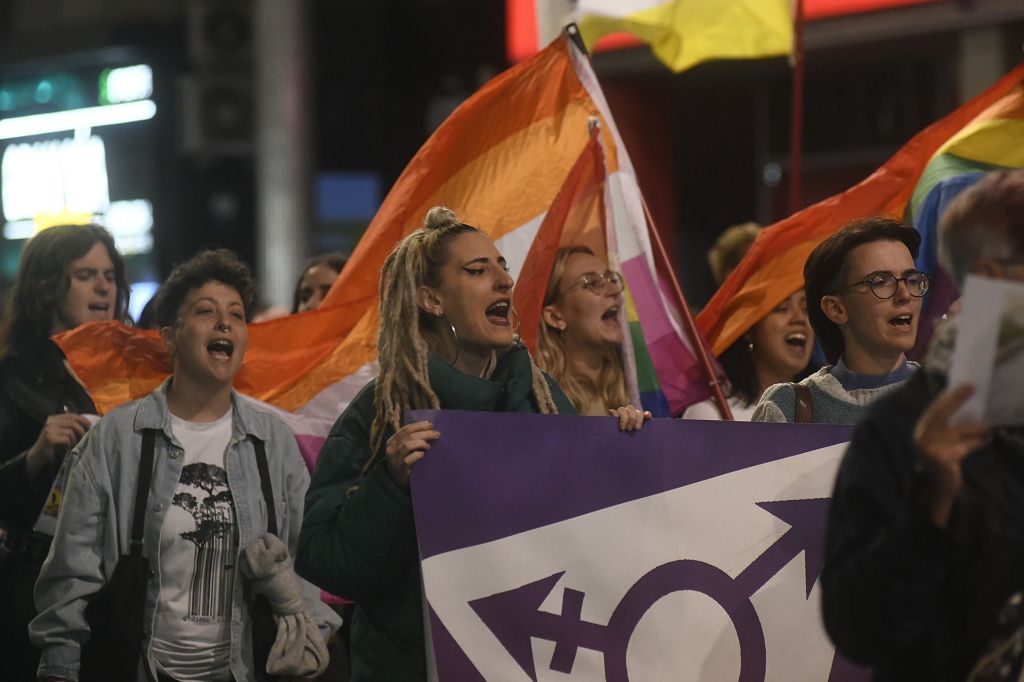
{"x":832,"y":404}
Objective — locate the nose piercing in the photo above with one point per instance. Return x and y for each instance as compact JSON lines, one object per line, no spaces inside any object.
{"x":223,"y":327}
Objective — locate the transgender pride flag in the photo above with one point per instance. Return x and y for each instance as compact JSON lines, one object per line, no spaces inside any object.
{"x":500,"y":161}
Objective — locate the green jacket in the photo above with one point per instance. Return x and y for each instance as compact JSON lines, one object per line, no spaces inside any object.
{"x":360,"y":542}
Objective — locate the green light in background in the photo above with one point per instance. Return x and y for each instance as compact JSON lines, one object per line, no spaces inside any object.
{"x":44,"y":91}
{"x":125,"y":84}
{"x":103,"y":97}
{"x":6,"y":100}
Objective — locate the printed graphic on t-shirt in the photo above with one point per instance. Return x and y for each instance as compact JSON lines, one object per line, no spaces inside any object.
{"x":214,"y":537}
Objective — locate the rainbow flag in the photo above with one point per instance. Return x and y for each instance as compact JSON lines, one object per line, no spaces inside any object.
{"x":499,"y":161}
{"x":992,"y":141}
{"x":773,"y":268}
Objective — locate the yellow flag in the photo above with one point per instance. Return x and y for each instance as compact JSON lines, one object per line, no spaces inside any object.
{"x":683,"y":33}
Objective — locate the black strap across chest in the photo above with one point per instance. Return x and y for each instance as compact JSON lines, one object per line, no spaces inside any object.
{"x":142,"y":489}
{"x":146,"y":478}
{"x":268,"y":490}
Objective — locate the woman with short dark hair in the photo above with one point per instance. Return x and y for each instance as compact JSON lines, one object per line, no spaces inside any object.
{"x":220,"y":517}
{"x":864,"y":300}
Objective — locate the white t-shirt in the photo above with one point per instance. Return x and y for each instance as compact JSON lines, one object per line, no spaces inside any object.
{"x":198,"y":548}
{"x":707,"y":409}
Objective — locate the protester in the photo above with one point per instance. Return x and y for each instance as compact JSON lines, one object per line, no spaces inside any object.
{"x":310,"y":290}
{"x":925,"y":539}
{"x":205,"y":516}
{"x":775,"y":350}
{"x":864,"y":299}
{"x":316,"y":280}
{"x":729,"y":249}
{"x":580,"y":339}
{"x":446,"y":341}
{"x":68,"y":275}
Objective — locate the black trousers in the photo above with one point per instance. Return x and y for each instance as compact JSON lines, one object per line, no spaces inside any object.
{"x":18,"y":575}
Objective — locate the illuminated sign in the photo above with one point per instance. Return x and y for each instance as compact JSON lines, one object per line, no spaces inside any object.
{"x":53,"y":177}
{"x":77,"y":146}
{"x":65,"y":180}
{"x":76,"y":119}
{"x":522,"y":35}
{"x":126,"y":84}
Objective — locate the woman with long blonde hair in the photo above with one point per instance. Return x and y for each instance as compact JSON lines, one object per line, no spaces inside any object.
{"x":581,"y":335}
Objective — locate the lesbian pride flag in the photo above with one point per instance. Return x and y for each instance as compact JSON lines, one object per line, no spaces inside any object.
{"x":499,"y":161}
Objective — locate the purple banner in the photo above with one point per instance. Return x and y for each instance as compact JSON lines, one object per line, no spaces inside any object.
{"x":556,"y":546}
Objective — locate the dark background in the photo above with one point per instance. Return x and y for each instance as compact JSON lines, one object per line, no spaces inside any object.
{"x":710,"y":145}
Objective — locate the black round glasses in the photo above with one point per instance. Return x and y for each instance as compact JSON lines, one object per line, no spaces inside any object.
{"x":885,"y":284}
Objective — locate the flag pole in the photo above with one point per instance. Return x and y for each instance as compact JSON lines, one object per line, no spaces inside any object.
{"x":691,"y":328}
{"x":796,"y":131}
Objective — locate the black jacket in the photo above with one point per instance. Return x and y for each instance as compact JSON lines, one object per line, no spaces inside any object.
{"x":899,"y":594}
{"x":34,"y":384}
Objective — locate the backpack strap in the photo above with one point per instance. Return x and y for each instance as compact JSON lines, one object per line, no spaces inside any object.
{"x":268,"y":490}
{"x":142,"y":489}
{"x":803,"y":409}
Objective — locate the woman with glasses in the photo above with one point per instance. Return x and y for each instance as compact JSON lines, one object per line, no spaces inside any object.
{"x":864,"y":301}
{"x":581,"y":331}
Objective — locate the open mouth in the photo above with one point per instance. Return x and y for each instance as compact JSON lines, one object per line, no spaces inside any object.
{"x":612,"y":314}
{"x":497,"y":312}
{"x":99,"y":307}
{"x":903,"y":321}
{"x":797,"y":340}
{"x":221,"y":349}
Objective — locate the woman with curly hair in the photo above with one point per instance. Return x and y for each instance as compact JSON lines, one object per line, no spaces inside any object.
{"x":206,"y":489}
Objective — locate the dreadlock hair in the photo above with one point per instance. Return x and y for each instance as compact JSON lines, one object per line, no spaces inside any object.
{"x":403,"y":382}
{"x":554,"y":358}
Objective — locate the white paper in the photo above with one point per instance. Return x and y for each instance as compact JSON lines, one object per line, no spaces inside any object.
{"x":989,"y":351}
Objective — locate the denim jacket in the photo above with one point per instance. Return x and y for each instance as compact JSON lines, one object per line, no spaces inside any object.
{"x":94,"y":526}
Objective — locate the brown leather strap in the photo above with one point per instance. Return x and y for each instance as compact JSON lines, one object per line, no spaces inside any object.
{"x":803,"y":412}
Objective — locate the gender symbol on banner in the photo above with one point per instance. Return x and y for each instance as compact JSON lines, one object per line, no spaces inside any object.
{"x":515,"y":617}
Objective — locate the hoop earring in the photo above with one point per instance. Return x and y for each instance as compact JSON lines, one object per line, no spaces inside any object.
{"x":455,"y":339}
{"x":517,"y":324}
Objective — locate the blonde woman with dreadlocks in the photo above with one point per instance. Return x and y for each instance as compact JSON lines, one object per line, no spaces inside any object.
{"x":446,"y":341}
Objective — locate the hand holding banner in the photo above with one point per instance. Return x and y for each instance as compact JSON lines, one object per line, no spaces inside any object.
{"x":670,"y":553}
